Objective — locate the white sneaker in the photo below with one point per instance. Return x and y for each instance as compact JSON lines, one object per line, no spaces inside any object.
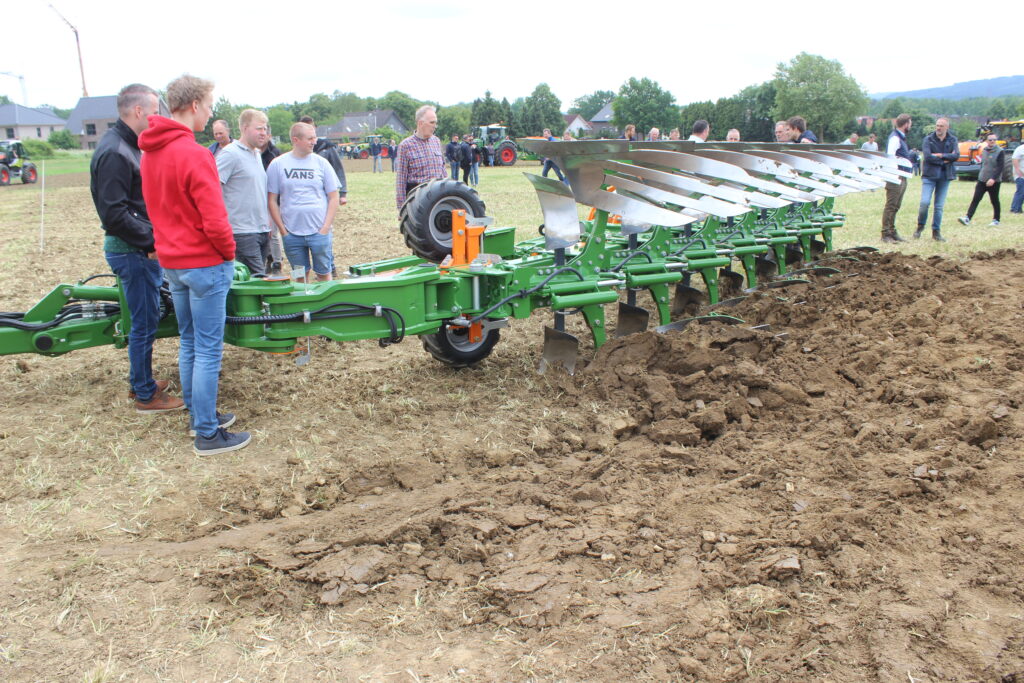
{"x":964,"y":220}
{"x":994,"y":224}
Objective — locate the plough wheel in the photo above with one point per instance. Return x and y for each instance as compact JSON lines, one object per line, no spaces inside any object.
{"x":451,"y":346}
{"x":426,"y":219}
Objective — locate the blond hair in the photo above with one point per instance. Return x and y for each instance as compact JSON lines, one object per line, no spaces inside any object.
{"x":299,"y":128}
{"x":248,"y":116}
{"x":186,"y":89}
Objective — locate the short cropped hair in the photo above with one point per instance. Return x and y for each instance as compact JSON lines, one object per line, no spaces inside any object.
{"x":797,"y":122}
{"x":306,"y":119}
{"x":901,"y":120}
{"x":422,"y":111}
{"x":133,"y":95}
{"x":186,"y":89}
{"x":699,"y":126}
{"x":223,"y":123}
{"x":300,"y":128}
{"x":248,"y":116}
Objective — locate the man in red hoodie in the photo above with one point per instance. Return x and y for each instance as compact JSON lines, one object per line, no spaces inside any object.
{"x":196,"y":248}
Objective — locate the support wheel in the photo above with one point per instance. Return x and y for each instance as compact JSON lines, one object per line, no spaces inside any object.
{"x":426,"y":219}
{"x":506,"y":155}
{"x":5,"y":175}
{"x":452,"y":347}
{"x":28,"y":174}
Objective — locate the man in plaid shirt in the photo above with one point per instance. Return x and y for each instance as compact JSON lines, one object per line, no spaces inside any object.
{"x":419,"y":155}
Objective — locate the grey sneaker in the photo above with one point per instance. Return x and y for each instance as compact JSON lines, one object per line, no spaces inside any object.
{"x":223,"y":420}
{"x":964,"y":220}
{"x":222,"y":441}
{"x":994,"y":224}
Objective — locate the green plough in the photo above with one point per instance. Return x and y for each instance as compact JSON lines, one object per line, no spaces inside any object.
{"x":682,"y":222}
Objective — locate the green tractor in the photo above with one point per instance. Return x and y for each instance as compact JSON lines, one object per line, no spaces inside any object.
{"x":506,"y":152}
{"x":362,"y":149}
{"x":14,"y":163}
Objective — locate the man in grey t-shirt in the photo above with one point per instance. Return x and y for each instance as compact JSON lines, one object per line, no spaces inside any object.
{"x":244,"y":183}
{"x":307,"y":188}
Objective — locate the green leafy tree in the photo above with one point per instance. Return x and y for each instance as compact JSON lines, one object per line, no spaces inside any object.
{"x":485,"y":111}
{"x":38,"y":149}
{"x":693,"y":112}
{"x":644,"y":104}
{"x":281,"y":121}
{"x":998,"y":110}
{"x":403,"y":105}
{"x":506,"y":114}
{"x":588,"y":105}
{"x":759,"y":120}
{"x":542,"y":109}
{"x":63,"y":139}
{"x":318,"y":108}
{"x":452,"y":120}
{"x":819,"y":90}
{"x":4,"y":99}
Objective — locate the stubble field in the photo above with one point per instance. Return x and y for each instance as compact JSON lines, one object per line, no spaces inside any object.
{"x":842,"y":503}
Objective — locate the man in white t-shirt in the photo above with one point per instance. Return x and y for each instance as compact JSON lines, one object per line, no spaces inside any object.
{"x":308,"y":190}
{"x":1018,"y":177}
{"x":871,"y":145}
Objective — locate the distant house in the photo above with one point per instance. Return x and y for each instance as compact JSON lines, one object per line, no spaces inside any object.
{"x":601,"y":123}
{"x":357,"y":125}
{"x":25,"y":123}
{"x":93,"y":116}
{"x":576,"y":124}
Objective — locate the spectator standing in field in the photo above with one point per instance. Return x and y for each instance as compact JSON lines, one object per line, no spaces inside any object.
{"x":674,"y":134}
{"x":465,"y":157}
{"x":474,"y":167}
{"x":654,"y":134}
{"x":269,"y":152}
{"x":990,"y":175}
{"x":329,"y":151}
{"x":733,"y":135}
{"x":629,"y":133}
{"x":940,"y":151}
{"x":392,"y":153}
{"x":871,"y":145}
{"x":782,"y":132}
{"x":375,"y":151}
{"x":244,"y":183}
{"x":852,"y":140}
{"x":308,"y":190}
{"x":798,"y":130}
{"x":419,"y":155}
{"x":196,"y":249}
{"x":700,"y":131}
{"x":452,"y":153}
{"x":896,"y":147}
{"x":550,"y":165}
{"x":1018,"y":178}
{"x":221,"y":135}
{"x":115,"y":180}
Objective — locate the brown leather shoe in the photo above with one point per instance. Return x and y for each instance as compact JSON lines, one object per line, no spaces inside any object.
{"x":161,"y":385}
{"x":160,"y":403}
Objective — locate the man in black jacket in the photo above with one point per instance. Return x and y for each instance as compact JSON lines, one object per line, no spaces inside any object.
{"x":940,"y":151}
{"x":116,"y":185}
{"x":453,"y":153}
{"x":993,"y":161}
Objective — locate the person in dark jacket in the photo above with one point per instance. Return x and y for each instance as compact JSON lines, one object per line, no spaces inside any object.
{"x":115,"y":181}
{"x":375,"y":150}
{"x":453,"y":154}
{"x":896,"y":147}
{"x":993,"y":160}
{"x":466,"y":154}
{"x":940,"y":151}
{"x":221,"y":136}
{"x":798,"y":129}
{"x":392,"y":153}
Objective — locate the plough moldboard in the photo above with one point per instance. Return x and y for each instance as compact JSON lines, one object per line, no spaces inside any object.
{"x":682,"y":221}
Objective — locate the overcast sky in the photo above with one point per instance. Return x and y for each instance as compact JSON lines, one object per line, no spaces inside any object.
{"x":265,"y":53}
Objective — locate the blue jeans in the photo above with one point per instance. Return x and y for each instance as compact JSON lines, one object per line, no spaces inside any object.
{"x":550,"y":165}
{"x":474,"y":174}
{"x":200,"y":298}
{"x":1018,"y":197}
{"x":140,"y":278}
{"x":455,"y":170}
{"x":378,"y":167}
{"x":938,"y":186}
{"x":309,"y":251}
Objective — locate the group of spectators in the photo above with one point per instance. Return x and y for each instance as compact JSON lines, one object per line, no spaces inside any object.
{"x":184,"y":214}
{"x":464,"y":154}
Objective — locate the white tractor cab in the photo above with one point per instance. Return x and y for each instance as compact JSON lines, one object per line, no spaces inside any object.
{"x":14,"y":163}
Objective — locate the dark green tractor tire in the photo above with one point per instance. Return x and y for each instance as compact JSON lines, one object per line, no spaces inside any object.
{"x":452,"y":347}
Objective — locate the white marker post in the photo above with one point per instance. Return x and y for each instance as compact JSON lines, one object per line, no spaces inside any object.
{"x":42,"y":207}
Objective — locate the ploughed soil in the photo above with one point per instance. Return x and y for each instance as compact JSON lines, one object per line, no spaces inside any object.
{"x":837,"y":496}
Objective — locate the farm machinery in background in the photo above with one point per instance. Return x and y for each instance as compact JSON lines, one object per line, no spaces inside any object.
{"x":14,"y":163}
{"x":668,"y":219}
{"x":1008,"y":135}
{"x":506,"y":152}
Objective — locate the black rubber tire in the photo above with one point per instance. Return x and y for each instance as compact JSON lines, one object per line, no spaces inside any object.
{"x":499,"y":157}
{"x":451,"y":346}
{"x":29,"y":174}
{"x":426,"y":216}
{"x":5,"y":175}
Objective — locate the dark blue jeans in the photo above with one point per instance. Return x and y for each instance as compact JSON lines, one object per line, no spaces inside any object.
{"x":1018,"y":197}
{"x":200,"y":303}
{"x":549,"y":166}
{"x":938,"y":186}
{"x":140,"y":278}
